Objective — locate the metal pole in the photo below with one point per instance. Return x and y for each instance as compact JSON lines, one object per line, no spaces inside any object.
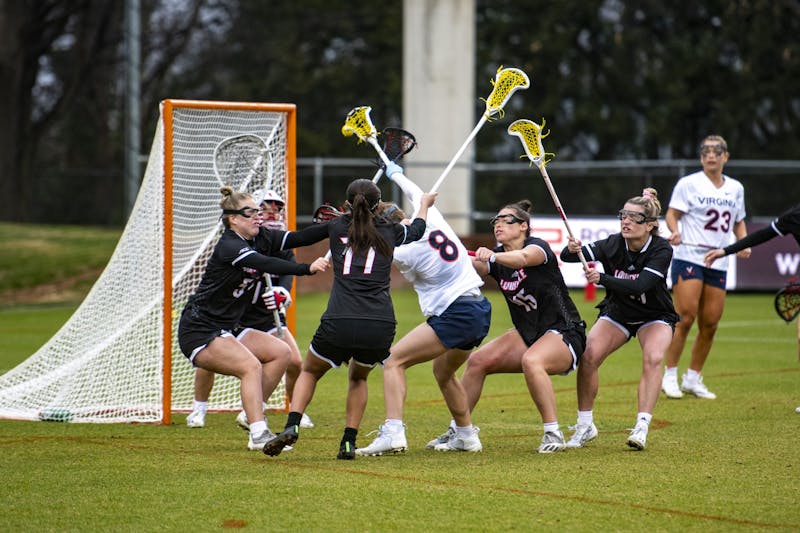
{"x":132,"y":173}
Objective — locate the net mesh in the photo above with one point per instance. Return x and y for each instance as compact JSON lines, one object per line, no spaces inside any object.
{"x":530,"y":133}
{"x":359,"y":123}
{"x":397,"y":142}
{"x":505,"y":83}
{"x":787,"y":301}
{"x":106,"y":363}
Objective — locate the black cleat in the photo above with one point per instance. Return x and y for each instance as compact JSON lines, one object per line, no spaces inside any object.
{"x":347,"y":451}
{"x":287,"y":437}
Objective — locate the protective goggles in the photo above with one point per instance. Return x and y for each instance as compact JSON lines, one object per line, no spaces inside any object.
{"x":246,"y":212}
{"x":506,"y":219}
{"x":634,"y":216}
{"x":716,"y":149}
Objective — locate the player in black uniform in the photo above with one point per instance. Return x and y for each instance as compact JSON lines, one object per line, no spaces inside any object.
{"x":637,"y":304}
{"x":788,"y":223}
{"x":225,"y":290}
{"x":359,"y":323}
{"x":260,"y":317}
{"x":549,"y":334}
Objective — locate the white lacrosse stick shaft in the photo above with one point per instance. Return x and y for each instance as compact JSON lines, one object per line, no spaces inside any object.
{"x":506,"y":82}
{"x":276,"y":316}
{"x":461,"y":150}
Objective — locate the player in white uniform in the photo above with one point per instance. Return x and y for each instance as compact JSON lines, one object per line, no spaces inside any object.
{"x":458,"y":320}
{"x":706,"y":208}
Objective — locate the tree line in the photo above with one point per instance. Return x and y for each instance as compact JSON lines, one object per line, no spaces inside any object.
{"x":616,"y":79}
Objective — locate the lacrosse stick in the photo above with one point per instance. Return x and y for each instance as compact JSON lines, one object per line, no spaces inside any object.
{"x":276,"y":316}
{"x":505,"y":83}
{"x":530,"y":133}
{"x":239,"y":159}
{"x":397,"y":143}
{"x":787,"y":300}
{"x":359,"y":124}
{"x":706,"y":246}
{"x":325,"y":213}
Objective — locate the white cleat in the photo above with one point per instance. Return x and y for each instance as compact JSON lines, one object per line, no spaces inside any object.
{"x":458,"y":443}
{"x":697,"y":388}
{"x":669,"y":384}
{"x":387,"y":442}
{"x":441,"y":439}
{"x":305,"y":422}
{"x":583,"y":434}
{"x":242,"y":422}
{"x":196,"y":419}
{"x":552,"y":441}
{"x":259,"y":442}
{"x":638,"y":437}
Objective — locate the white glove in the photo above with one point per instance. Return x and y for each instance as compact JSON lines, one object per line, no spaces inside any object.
{"x":269,"y":300}
{"x":393,"y":168}
{"x":283,"y":297}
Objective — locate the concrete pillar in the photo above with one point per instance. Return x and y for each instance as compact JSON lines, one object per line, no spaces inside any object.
{"x":439,"y":100}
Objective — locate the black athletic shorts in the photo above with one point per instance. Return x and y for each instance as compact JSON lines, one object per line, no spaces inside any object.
{"x":195,"y":332}
{"x":266,"y":324}
{"x":574,"y":336}
{"x":365,"y":341}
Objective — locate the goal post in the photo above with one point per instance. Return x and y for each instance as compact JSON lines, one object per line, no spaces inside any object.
{"x":117,"y":358}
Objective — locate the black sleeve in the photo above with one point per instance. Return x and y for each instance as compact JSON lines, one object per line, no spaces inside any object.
{"x":286,"y":280}
{"x":646,"y":281}
{"x":415,"y":230}
{"x":305,"y":237}
{"x":569,"y":257}
{"x":753,"y":239}
{"x":274,"y":265}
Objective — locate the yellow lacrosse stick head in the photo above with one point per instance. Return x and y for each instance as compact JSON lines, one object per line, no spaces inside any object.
{"x":358,"y":123}
{"x":530,"y":133}
{"x":505,"y":83}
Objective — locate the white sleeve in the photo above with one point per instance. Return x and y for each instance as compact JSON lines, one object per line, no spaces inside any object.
{"x":742,"y":214}
{"x":410,"y":189}
{"x":679,"y":199}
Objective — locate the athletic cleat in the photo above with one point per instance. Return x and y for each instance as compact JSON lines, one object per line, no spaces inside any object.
{"x":258,"y":443}
{"x":305,"y":422}
{"x":196,"y":419}
{"x":669,"y":384}
{"x":552,"y":441}
{"x":461,"y":444}
{"x":386,"y":442}
{"x":698,"y":388}
{"x":583,"y":434}
{"x":242,"y":422}
{"x":441,"y":439}
{"x":347,"y":451}
{"x":284,"y":439}
{"x":638,"y":437}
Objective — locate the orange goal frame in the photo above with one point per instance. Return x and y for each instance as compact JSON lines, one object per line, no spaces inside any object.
{"x":291,"y":159}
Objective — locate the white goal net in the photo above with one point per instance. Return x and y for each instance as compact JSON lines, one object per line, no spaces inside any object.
{"x":117,"y":358}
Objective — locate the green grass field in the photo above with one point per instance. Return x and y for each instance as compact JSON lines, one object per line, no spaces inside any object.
{"x":730,"y":464}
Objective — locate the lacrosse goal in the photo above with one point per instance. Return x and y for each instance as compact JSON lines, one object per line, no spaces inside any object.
{"x":117,"y":358}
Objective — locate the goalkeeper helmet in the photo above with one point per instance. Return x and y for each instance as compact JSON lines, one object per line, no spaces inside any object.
{"x":272,"y":204}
